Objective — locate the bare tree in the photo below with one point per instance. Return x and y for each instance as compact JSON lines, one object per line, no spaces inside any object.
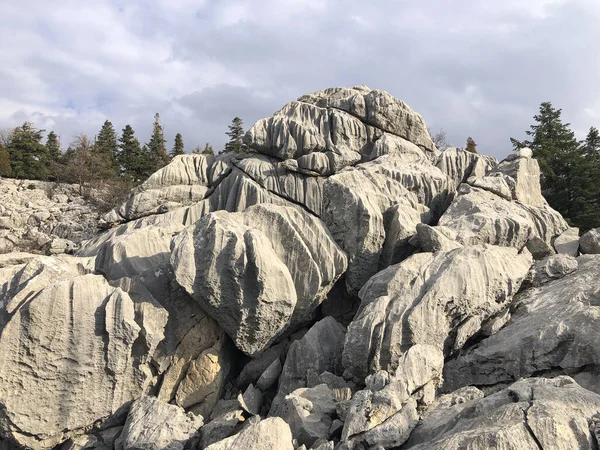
{"x":6,"y":136}
{"x":439,"y":139}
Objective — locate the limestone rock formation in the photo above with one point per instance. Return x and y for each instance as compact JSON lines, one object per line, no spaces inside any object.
{"x":34,"y":213}
{"x":340,"y":285}
{"x":258,"y":271}
{"x":82,"y":368}
{"x":268,"y":434}
{"x":530,"y":414}
{"x":154,"y":425}
{"x":552,"y":328}
{"x":589,"y":243}
{"x":430,"y":299}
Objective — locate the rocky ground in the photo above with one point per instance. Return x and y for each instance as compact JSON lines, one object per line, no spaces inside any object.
{"x":44,"y":217}
{"x":342,"y":286}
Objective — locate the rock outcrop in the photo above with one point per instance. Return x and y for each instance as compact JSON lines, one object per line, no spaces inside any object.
{"x":341,"y":285}
{"x":258,"y":272}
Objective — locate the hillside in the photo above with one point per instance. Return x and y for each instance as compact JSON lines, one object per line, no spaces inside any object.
{"x":343,"y":285}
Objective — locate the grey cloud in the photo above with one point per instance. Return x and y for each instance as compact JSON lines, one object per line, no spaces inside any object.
{"x":474,"y":68}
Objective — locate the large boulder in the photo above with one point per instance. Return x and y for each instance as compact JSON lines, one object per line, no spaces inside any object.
{"x":554,"y":327}
{"x":378,"y":109}
{"x":70,"y":355}
{"x":459,"y":165}
{"x":479,"y":216}
{"x":258,"y":272}
{"x":432,"y":299}
{"x":319,"y":351}
{"x":589,"y":243}
{"x":328,"y":130}
{"x":154,"y":425}
{"x":136,"y":251}
{"x":268,"y":434}
{"x":357,"y":202}
{"x":530,"y":414}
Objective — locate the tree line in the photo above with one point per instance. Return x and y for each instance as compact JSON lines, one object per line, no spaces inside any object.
{"x":570,"y":168}
{"x":107,"y":158}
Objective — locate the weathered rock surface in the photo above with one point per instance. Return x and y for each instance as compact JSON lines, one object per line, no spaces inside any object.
{"x":430,"y":299}
{"x":358,"y":199}
{"x":479,"y":216}
{"x":459,"y":165}
{"x":342,"y":124}
{"x":81,"y":369}
{"x":319,"y":350}
{"x":154,"y":425}
{"x":589,"y":243}
{"x":553,"y":327}
{"x":34,"y":213}
{"x":258,"y":271}
{"x":530,"y":414}
{"x":342,"y":198}
{"x":268,"y":434}
{"x":309,"y":412}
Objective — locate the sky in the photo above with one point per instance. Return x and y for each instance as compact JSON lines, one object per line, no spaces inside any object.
{"x":473,"y":68}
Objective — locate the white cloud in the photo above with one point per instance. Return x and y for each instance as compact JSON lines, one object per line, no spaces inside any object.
{"x":474,"y":68}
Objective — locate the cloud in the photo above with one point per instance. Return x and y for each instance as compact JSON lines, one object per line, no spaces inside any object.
{"x":474,"y":68}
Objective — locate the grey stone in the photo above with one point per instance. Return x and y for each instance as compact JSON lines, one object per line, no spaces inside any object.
{"x":553,"y":327}
{"x":251,"y":400}
{"x":154,"y":425}
{"x":320,"y":350}
{"x":270,"y":376}
{"x":309,"y":413}
{"x":568,"y":242}
{"x":589,"y":243}
{"x":279,"y":263}
{"x":397,"y":312}
{"x":530,"y":414}
{"x":48,"y":347}
{"x":269,"y":434}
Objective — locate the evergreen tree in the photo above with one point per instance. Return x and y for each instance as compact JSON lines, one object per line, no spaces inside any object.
{"x":208,"y":150}
{"x":54,"y":156}
{"x":5,"y":170}
{"x":135,"y":163}
{"x":178,"y":147}
{"x":156,"y":146}
{"x":471,"y":145}
{"x":28,"y":156}
{"x":53,"y":146}
{"x":562,"y":163}
{"x":236,"y":134}
{"x":586,"y":173}
{"x":197,"y":150}
{"x":105,"y":151}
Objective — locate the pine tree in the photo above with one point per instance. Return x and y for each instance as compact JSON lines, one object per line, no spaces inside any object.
{"x":236,"y":134}
{"x":28,"y":156}
{"x":178,"y":147}
{"x":148,"y":165}
{"x":5,"y":170}
{"x":135,"y":164}
{"x":471,"y":145}
{"x":197,"y":150}
{"x":208,"y":150}
{"x":586,"y":174}
{"x":105,"y":152}
{"x":53,"y":146}
{"x":54,"y":156}
{"x":561,"y":162}
{"x":156,"y":146}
